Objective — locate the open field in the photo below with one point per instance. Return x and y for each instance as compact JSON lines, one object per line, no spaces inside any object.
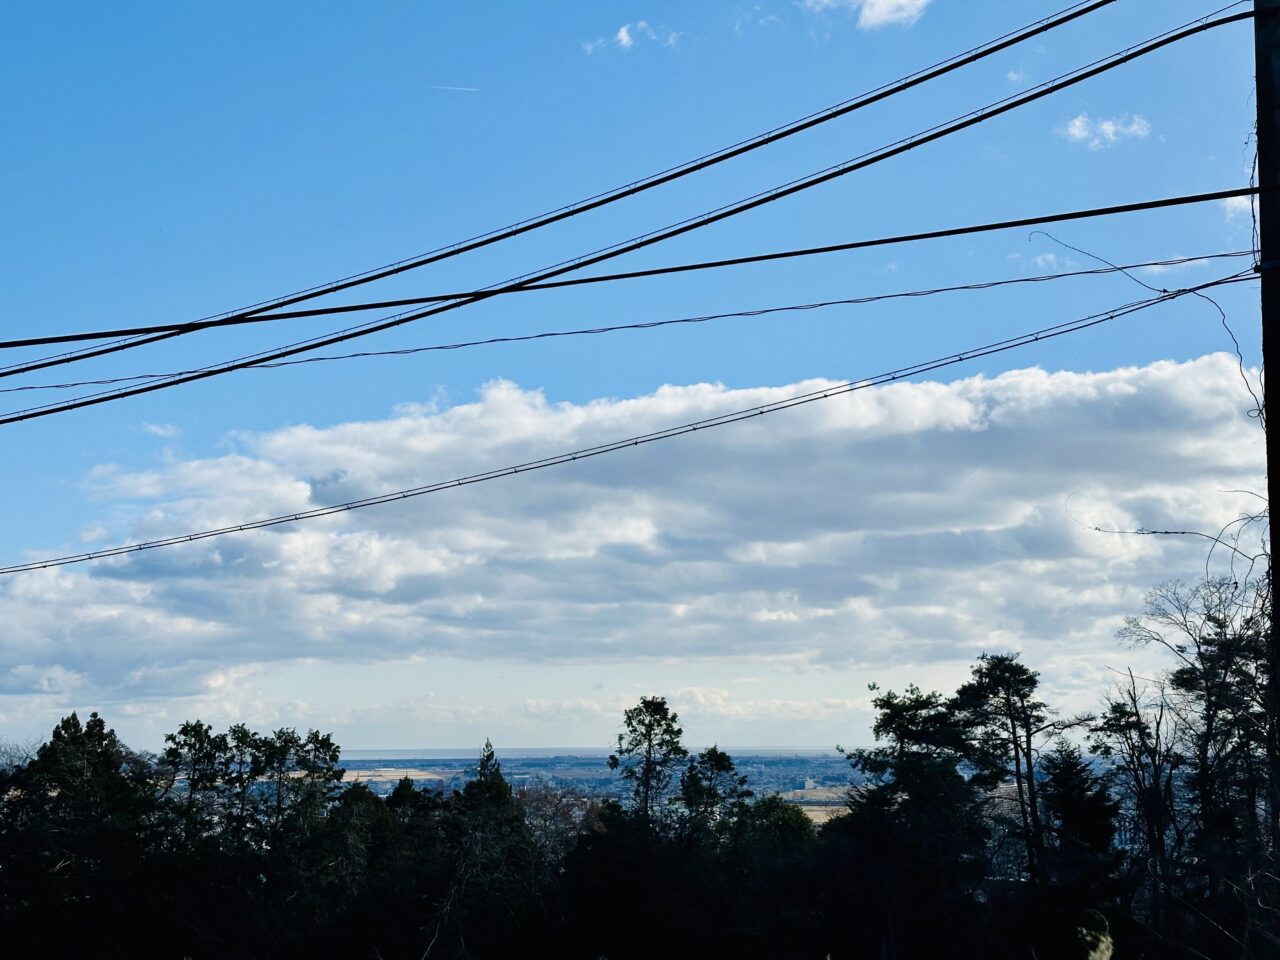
{"x":821,"y":813}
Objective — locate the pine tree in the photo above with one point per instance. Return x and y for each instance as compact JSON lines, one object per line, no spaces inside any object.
{"x":649,"y":752}
{"x":1081,"y":821}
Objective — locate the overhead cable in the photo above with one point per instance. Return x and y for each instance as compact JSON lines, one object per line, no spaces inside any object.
{"x":1045,"y":333}
{"x":977,"y":117}
{"x":661,"y":271}
{"x":1160,"y":40}
{"x":245,"y":362}
{"x":836,"y":111}
{"x":656,"y":324}
{"x":86,"y":353}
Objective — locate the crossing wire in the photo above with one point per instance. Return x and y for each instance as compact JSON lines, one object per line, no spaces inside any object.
{"x":656,"y":324}
{"x":585,"y":453}
{"x":677,"y":268}
{"x":979,"y":116}
{"x":844,"y":108}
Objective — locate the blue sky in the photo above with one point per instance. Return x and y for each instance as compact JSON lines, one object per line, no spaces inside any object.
{"x":166,"y":161}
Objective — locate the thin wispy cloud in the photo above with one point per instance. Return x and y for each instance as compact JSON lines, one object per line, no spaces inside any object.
{"x":1100,"y":134}
{"x":873,"y":14}
{"x":94,"y":533}
{"x":629,"y":33}
{"x":440,"y":86}
{"x":1051,"y":261}
{"x":755,"y":17}
{"x":1043,"y":262}
{"x":627,"y":36}
{"x":1157,"y":269}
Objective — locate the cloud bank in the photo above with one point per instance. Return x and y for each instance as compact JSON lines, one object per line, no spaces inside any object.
{"x":910,"y":525}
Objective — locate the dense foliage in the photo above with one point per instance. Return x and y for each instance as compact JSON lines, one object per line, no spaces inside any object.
{"x":984,"y":823}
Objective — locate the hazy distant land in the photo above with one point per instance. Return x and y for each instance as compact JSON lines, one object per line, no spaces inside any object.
{"x":812,"y":777}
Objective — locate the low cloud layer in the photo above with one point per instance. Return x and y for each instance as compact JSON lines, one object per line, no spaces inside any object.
{"x":909,"y":526}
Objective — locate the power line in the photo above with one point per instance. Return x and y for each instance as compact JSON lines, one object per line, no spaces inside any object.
{"x":902,"y":238}
{"x":1092,"y":69}
{"x":655,"y":324}
{"x":661,"y":271}
{"x":585,"y":453}
{"x":911,"y":143}
{"x":774,"y":135}
{"x":85,"y":353}
{"x":243,"y":362}
{"x":870,"y":158}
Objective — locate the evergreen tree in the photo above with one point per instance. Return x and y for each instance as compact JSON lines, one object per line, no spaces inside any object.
{"x":1009,"y":724}
{"x":1081,"y":822}
{"x":913,"y":842}
{"x":77,"y":825}
{"x":194,"y":762}
{"x":648,"y":753}
{"x":489,"y":894}
{"x":712,"y":793}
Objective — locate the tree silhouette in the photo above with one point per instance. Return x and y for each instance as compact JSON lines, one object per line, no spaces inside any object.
{"x":648,"y":753}
{"x":1009,"y":725}
{"x":1081,"y":821}
{"x":712,"y":793}
{"x":76,"y":825}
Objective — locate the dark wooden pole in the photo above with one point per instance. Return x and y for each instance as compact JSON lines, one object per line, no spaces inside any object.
{"x":1266,"y":27}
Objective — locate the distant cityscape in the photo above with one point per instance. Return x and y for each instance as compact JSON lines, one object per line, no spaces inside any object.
{"x":809,"y":776}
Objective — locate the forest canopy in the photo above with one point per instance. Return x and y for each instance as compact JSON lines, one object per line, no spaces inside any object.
{"x":984,"y":821}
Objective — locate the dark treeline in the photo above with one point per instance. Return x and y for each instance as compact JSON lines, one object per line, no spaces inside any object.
{"x":985,"y":823}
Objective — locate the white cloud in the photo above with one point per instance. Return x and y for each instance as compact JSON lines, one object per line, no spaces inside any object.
{"x":873,"y":14}
{"x":94,"y":533}
{"x":629,"y":34}
{"x":166,"y":430}
{"x":1044,"y":262}
{"x":1016,"y":76}
{"x":754,"y":17}
{"x":904,"y":528}
{"x":1099,"y":134}
{"x":1238,"y":206}
{"x":721,"y":703}
{"x":27,"y":677}
{"x":1159,"y":269}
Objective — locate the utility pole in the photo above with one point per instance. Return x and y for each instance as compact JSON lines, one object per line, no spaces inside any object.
{"x":1266,"y":33}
